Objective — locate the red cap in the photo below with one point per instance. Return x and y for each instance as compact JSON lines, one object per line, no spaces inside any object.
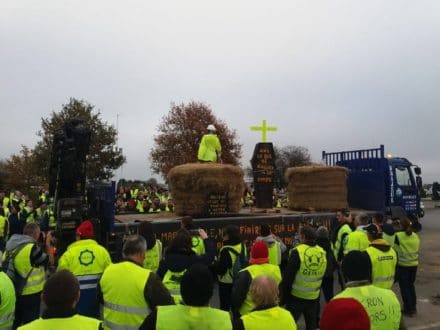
{"x":259,"y":253}
{"x":344,"y":314}
{"x":85,"y":229}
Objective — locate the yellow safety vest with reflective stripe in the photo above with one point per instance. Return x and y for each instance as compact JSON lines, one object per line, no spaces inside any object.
{"x":5,"y":202}
{"x":139,"y":206}
{"x":380,"y":304}
{"x":255,"y":271}
{"x":7,"y":302}
{"x":341,"y":240}
{"x":181,"y":317}
{"x":35,"y":280}
{"x":383,"y":266}
{"x":209,"y":148}
{"x":153,"y":257}
{"x":122,"y":286}
{"x":51,"y":216}
{"x":272,"y":318}
{"x":29,"y":215}
{"x":3,"y":226}
{"x":227,"y":277}
{"x":356,"y":241}
{"x":171,"y":281}
{"x":275,"y":253}
{"x":389,"y":239}
{"x":76,"y":322}
{"x":408,"y":249}
{"x":308,"y":279}
{"x":198,"y":246}
{"x":134,"y":192}
{"x":87,"y":260}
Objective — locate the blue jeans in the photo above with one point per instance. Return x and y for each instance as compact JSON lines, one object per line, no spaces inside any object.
{"x":407,"y":277}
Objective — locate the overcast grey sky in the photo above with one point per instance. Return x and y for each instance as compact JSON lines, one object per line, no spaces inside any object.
{"x":331,"y":75}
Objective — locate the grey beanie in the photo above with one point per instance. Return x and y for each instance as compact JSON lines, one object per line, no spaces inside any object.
{"x":322,"y":232}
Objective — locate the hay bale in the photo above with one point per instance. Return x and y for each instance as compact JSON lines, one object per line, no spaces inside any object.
{"x":320,"y":188}
{"x":190,"y":185}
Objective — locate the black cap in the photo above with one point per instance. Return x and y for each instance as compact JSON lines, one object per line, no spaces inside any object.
{"x":372,"y":229}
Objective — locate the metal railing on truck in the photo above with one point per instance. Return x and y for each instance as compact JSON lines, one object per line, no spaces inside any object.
{"x":332,"y":158}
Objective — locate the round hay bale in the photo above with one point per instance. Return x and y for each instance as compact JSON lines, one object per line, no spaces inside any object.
{"x":321,"y":188}
{"x":190,"y":185}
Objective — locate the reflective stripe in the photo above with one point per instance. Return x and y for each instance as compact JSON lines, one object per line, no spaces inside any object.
{"x":296,"y":287}
{"x":176,"y":292}
{"x":126,"y":309}
{"x":34,"y":283}
{"x":308,"y":279}
{"x":408,"y":256}
{"x":115,"y":326}
{"x":6,"y":318}
{"x":383,"y":279}
{"x":88,"y":277}
{"x":88,"y":286}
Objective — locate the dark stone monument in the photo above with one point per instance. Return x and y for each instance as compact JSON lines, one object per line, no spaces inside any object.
{"x":263,"y":168}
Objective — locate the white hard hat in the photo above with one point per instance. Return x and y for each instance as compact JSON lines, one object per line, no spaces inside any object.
{"x":211,"y":128}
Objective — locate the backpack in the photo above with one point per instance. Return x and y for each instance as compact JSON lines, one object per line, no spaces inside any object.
{"x":9,"y":268}
{"x":240,"y":261}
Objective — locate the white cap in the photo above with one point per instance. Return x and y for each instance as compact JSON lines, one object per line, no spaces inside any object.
{"x":211,"y":128}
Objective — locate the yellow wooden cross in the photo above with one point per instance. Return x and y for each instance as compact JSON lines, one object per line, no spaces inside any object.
{"x":264,"y":129}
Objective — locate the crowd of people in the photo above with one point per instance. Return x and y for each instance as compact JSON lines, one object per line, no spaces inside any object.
{"x":267,"y":286}
{"x":155,"y":199}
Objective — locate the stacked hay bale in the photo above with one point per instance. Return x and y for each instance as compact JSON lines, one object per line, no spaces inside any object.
{"x":190,"y":185}
{"x":317,"y":188}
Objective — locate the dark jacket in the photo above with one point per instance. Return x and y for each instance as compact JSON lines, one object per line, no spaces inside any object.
{"x":177,"y":261}
{"x":16,"y":225}
{"x":240,"y":291}
{"x":224,"y":261}
{"x":331,"y":261}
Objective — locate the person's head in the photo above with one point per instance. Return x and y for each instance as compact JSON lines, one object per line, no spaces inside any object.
{"x":264,"y":229}
{"x":344,"y":314}
{"x":356,"y":266}
{"x":308,"y":235}
{"x":145,"y":229}
{"x":322,"y":232}
{"x":259,"y":253}
{"x":264,"y":292}
{"x":406,"y":225}
{"x":197,"y":285}
{"x":134,"y":249}
{"x":61,"y":291}
{"x":43,"y":205}
{"x":342,"y":215}
{"x":231,"y":233}
{"x":187,"y":223}
{"x":211,"y":128}
{"x":362,"y":219}
{"x":29,"y":203}
{"x":373,"y":232}
{"x":378,"y":218}
{"x":85,"y":230}
{"x":32,"y":230}
{"x":182,"y":242}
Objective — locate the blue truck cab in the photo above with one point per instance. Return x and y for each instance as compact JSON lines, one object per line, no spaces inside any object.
{"x":379,"y":183}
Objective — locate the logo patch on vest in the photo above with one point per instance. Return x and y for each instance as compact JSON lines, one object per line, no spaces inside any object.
{"x":313,"y":261}
{"x":86,"y":257}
